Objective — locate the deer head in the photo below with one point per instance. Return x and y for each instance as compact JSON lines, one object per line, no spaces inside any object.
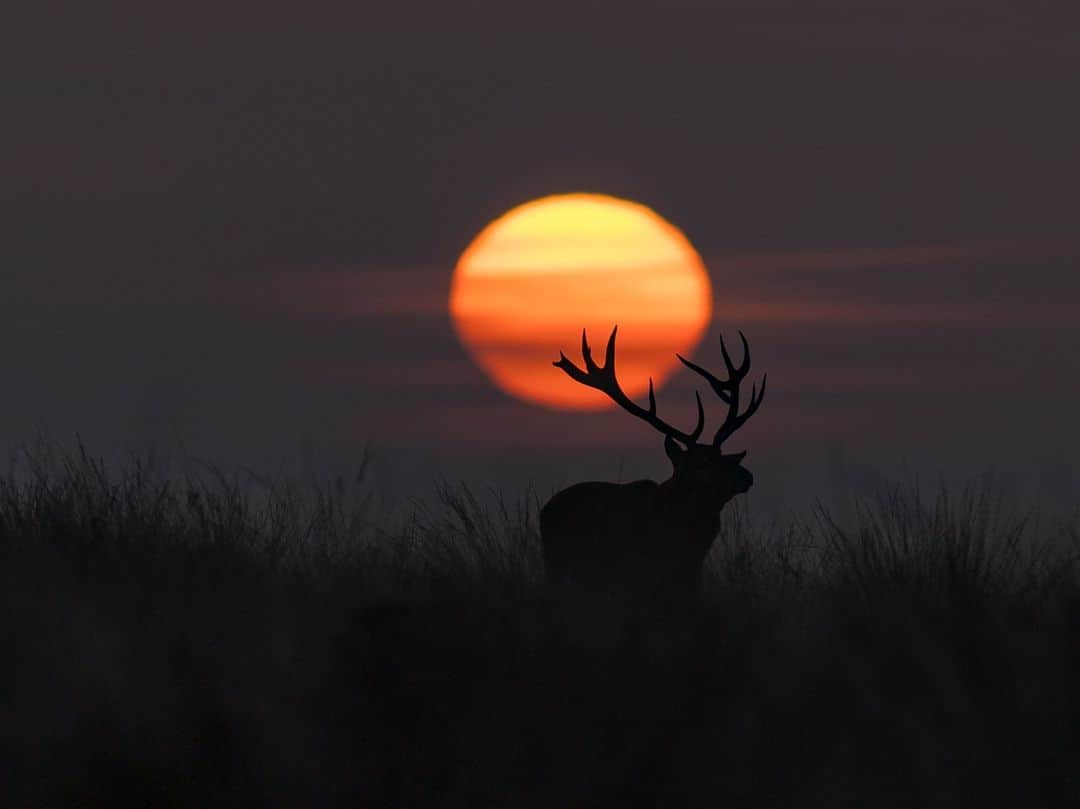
{"x":701,"y":472}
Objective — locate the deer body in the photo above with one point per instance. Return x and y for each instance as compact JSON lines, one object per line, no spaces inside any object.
{"x":645,"y":542}
{"x":629,"y":541}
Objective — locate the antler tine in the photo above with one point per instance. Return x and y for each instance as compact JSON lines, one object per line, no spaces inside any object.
{"x":586,"y":353}
{"x":734,"y":373}
{"x":573,"y":371}
{"x":727,"y":361}
{"x":604,"y":379}
{"x":728,"y":389}
{"x":700,"y":419}
{"x":719,"y":386}
{"x":745,"y":367}
{"x":756,"y":396}
{"x":734,"y":421}
{"x":609,"y":352}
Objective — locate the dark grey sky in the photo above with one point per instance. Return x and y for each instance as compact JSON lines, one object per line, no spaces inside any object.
{"x":233,"y":225}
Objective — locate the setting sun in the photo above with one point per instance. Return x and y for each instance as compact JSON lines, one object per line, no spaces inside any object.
{"x":532,"y":279}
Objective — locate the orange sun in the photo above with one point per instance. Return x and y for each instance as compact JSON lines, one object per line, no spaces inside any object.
{"x":533,"y":278}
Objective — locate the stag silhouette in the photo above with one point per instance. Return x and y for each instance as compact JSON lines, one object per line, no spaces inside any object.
{"x":644,"y":543}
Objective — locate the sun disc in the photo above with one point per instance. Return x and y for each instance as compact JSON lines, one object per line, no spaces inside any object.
{"x":533,"y":278}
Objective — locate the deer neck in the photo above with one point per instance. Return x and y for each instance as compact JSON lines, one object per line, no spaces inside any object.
{"x":701,"y":517}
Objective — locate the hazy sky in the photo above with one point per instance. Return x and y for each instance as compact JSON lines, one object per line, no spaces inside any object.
{"x":232,"y":225}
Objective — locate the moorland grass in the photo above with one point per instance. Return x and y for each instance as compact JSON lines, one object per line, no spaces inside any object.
{"x":195,"y":638}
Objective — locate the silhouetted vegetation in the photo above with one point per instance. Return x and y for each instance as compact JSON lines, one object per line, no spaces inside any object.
{"x":190,"y":638}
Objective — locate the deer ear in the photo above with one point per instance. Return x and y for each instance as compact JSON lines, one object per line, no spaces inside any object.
{"x":738,"y":456}
{"x":674,"y":451}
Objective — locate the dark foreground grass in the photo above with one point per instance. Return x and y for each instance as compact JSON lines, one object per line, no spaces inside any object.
{"x":201,"y":640}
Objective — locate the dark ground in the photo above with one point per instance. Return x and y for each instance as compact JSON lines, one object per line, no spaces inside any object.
{"x":200,"y":640}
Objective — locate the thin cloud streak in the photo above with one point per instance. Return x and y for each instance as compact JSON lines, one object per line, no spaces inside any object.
{"x":386,"y":374}
{"x":422,"y":292}
{"x":751,"y":312}
{"x":412,"y":291}
{"x":866,"y":258}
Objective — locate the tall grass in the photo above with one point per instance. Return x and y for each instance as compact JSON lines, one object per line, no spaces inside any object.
{"x":949,"y":543}
{"x":973,"y":543}
{"x":179,"y":635}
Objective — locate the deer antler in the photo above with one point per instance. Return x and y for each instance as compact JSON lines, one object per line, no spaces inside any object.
{"x":728,"y":389}
{"x":602,"y":378}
